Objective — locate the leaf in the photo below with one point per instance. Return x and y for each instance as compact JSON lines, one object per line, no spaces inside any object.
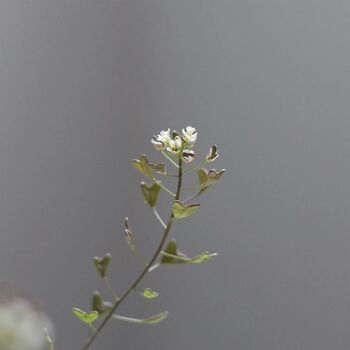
{"x":181,"y":210}
{"x":98,"y":304}
{"x":146,"y":168}
{"x":142,"y":165}
{"x":101,"y":264}
{"x":50,"y":344}
{"x":203,"y":176}
{"x":150,"y":193}
{"x":149,"y":294}
{"x":207,"y":178}
{"x":214,"y":175}
{"x":128,"y":234}
{"x":86,"y":317}
{"x":173,"y":256}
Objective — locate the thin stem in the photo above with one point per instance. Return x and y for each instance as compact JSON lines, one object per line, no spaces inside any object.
{"x":190,"y":188}
{"x":194,"y":167}
{"x":171,"y":175}
{"x":164,"y":188}
{"x":158,"y":217}
{"x":144,"y":271}
{"x":92,"y":328}
{"x":191,"y":197}
{"x":169,"y":159}
{"x":139,"y":256}
{"x":128,"y":319}
{"x":110,"y":288}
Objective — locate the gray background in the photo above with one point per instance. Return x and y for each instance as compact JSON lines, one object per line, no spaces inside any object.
{"x":84,"y":84}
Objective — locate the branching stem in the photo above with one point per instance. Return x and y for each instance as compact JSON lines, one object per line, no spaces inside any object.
{"x":164,"y":188}
{"x":192,"y":197}
{"x":194,"y":167}
{"x":144,"y":271}
{"x":190,"y":188}
{"x":169,"y":159}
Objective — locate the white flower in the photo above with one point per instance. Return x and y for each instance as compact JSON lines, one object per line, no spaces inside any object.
{"x":175,"y":145}
{"x":213,"y":154}
{"x":159,"y":145}
{"x":21,"y":326}
{"x":189,"y":135}
{"x":161,"y":141}
{"x":188,"y":155}
{"x":165,"y":136}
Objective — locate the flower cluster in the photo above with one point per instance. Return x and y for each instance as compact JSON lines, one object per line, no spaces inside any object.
{"x":177,"y":144}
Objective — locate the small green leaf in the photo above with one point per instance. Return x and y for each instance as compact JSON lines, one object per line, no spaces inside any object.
{"x":207,"y":178}
{"x":86,"y":317}
{"x":174,"y":256}
{"x":128,"y":234}
{"x":181,"y":211}
{"x":203,"y":176}
{"x":98,"y":304}
{"x":146,"y":168}
{"x":149,"y":293}
{"x":214,"y":175}
{"x":101,"y":264}
{"x":156,"y":318}
{"x":50,"y":344}
{"x":142,"y":165}
{"x":150,"y":193}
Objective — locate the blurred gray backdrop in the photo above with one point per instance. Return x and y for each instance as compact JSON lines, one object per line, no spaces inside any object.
{"x":84,"y":84}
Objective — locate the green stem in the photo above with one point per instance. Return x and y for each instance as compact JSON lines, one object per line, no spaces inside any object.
{"x":170,"y":175}
{"x":158,"y":217}
{"x":194,"y":167}
{"x":110,"y":288}
{"x":164,"y":188}
{"x":139,"y":256}
{"x":192,"y":197}
{"x":128,"y":319}
{"x":144,"y":271}
{"x":169,"y":159}
{"x":92,"y":328}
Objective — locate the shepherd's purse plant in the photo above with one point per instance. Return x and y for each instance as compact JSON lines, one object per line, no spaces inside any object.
{"x":177,"y":148}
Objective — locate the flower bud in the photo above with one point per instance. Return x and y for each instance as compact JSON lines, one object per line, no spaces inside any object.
{"x":175,"y":145}
{"x":189,"y":134}
{"x":188,"y":155}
